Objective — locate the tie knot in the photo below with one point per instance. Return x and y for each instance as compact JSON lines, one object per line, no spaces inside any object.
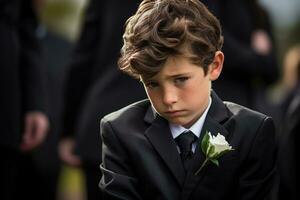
{"x":185,"y":141}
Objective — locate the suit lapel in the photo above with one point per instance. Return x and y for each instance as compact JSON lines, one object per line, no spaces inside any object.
{"x":216,"y":116}
{"x":160,"y":136}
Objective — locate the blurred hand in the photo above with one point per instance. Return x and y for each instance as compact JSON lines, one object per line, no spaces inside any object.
{"x":35,"y":130}
{"x":66,"y":152}
{"x":261,"y":42}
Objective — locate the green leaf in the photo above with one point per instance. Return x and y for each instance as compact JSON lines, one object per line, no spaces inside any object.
{"x":216,"y":162}
{"x":204,"y":143}
{"x":211,"y":151}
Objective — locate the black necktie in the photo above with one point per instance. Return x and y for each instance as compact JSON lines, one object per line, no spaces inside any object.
{"x":185,"y":141}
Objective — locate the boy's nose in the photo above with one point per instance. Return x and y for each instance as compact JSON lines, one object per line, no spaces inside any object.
{"x":169,"y":97}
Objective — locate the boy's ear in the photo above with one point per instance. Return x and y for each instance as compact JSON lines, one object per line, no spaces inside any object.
{"x":216,"y":66}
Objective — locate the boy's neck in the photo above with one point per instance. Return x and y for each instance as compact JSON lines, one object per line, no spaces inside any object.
{"x":196,"y":128}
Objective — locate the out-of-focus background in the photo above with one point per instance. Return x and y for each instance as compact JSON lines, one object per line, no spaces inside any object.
{"x":61,"y":22}
{"x":285,"y":19}
{"x":63,"y":17}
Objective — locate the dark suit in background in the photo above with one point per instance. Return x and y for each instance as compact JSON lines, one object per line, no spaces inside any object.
{"x":140,"y":159}
{"x":57,"y":49}
{"x":22,"y":86}
{"x":247,"y":72}
{"x":95,"y":86}
{"x":288,"y":157}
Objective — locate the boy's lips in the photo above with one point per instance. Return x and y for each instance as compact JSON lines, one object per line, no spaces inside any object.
{"x":174,"y":113}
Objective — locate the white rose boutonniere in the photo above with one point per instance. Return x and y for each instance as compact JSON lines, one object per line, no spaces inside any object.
{"x":213,"y":148}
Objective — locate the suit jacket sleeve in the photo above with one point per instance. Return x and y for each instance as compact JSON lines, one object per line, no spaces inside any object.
{"x":31,"y":60}
{"x":118,"y":180}
{"x":258,"y":172}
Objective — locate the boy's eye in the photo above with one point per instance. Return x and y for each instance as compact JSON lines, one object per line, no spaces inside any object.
{"x":180,"y":80}
{"x":151,"y":84}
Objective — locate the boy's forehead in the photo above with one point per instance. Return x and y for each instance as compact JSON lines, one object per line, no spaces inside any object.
{"x":178,"y":65}
{"x":174,"y":67}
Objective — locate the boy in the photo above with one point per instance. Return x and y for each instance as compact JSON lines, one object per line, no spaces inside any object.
{"x":173,"y":47}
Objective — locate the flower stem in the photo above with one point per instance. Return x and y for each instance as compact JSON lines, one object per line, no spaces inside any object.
{"x":203,"y":164}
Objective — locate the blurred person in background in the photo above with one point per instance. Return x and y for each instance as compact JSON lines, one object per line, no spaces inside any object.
{"x":288,"y":153}
{"x":56,"y":50}
{"x":290,"y":79}
{"x":24,"y":124}
{"x":95,"y":87}
{"x":250,"y":66}
{"x":289,"y":133}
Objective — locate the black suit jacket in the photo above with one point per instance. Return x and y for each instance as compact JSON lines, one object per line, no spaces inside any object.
{"x":22,"y":71}
{"x":140,"y":159}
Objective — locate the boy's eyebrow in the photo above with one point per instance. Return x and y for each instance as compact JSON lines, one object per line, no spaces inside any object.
{"x":173,"y":76}
{"x":179,"y":75}
{"x":168,"y":76}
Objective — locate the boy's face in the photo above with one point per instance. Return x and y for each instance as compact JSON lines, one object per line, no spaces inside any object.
{"x":180,"y":91}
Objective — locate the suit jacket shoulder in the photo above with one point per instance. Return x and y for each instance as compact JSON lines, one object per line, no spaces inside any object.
{"x":130,"y":112}
{"x":243,"y":113}
{"x":248,"y":126}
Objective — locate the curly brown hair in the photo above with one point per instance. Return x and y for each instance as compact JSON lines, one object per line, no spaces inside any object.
{"x":163,"y":28}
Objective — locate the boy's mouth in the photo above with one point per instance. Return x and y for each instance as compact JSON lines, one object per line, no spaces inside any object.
{"x":174,"y":113}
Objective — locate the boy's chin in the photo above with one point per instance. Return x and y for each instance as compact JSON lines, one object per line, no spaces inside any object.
{"x":181,"y":122}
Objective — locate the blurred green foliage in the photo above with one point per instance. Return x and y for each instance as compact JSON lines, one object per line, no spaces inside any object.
{"x":63,"y":17}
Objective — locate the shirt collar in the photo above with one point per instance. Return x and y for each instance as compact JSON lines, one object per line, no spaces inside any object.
{"x":196,"y":128}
